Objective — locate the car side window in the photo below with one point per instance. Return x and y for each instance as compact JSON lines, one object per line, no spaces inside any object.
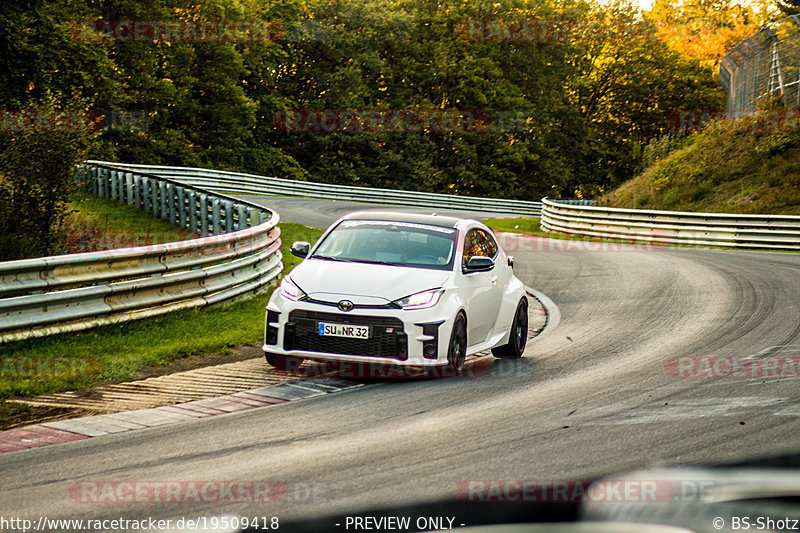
{"x":478,"y":243}
{"x":488,"y":244}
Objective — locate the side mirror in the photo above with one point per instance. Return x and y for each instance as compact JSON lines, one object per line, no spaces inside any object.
{"x":479,"y":264}
{"x":300,"y":249}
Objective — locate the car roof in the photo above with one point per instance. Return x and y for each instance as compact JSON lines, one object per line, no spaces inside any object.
{"x":400,"y":216}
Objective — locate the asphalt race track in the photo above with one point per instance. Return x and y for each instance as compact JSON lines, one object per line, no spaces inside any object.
{"x":594,"y":395}
{"x":321,"y":213}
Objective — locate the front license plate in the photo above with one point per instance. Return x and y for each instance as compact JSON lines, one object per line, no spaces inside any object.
{"x":343,"y":330}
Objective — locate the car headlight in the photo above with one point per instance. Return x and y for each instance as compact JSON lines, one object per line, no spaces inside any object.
{"x":420,"y":300}
{"x":290,"y":290}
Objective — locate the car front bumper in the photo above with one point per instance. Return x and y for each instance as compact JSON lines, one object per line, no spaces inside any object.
{"x":417,"y":337}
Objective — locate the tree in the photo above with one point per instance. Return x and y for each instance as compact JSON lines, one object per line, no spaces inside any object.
{"x":707,"y":29}
{"x":46,"y":126}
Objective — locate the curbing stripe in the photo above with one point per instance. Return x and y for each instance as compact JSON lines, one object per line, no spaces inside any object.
{"x":228,"y":405}
{"x":263,"y":399}
{"x":191,"y":407}
{"x":96,"y":426}
{"x":321,"y":387}
{"x":184,"y":411}
{"x":289,"y":391}
{"x":34,"y":437}
{"x":336,"y":383}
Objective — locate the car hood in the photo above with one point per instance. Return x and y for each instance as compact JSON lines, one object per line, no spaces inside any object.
{"x":363,"y":283}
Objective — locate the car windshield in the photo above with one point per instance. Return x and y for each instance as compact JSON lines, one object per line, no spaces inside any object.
{"x":390,"y":242}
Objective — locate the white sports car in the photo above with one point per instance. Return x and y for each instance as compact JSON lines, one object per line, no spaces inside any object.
{"x":399,"y":288}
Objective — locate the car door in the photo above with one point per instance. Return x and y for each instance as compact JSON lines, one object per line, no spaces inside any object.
{"x":483,"y":290}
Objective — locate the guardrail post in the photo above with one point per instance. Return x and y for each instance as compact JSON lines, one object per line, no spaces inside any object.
{"x":99,"y":175}
{"x":158,"y":196}
{"x":171,"y":197}
{"x":137,"y":191}
{"x":113,"y":183}
{"x":94,"y":183}
{"x":203,"y":213}
{"x":254,"y":218}
{"x":101,"y":184}
{"x":180,"y":211}
{"x":228,"y":216}
{"x":146,"y":194}
{"x":193,"y":211}
{"x":129,"y":189}
{"x":215,"y":216}
{"x":164,"y":200}
{"x":155,"y":187}
{"x":241,"y":217}
{"x":105,"y":183}
{"x":120,"y":186}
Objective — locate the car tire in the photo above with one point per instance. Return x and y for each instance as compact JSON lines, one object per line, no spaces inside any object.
{"x":283,"y":362}
{"x":457,"y":349}
{"x":517,"y":336}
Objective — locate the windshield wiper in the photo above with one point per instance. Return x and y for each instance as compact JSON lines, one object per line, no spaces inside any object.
{"x":377,"y":262}
{"x":343,"y":260}
{"x":331,"y":258}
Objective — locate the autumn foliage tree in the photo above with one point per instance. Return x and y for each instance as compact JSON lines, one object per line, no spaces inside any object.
{"x":568,"y":113}
{"x":707,"y":29}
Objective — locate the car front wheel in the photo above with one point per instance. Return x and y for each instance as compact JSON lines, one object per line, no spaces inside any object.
{"x":283,"y":362}
{"x":457,"y":351}
{"x":518,"y":336}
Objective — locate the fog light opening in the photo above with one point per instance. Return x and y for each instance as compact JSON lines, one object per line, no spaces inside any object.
{"x":271,"y":337}
{"x":430,"y":348}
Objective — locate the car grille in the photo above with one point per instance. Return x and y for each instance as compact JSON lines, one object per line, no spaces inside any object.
{"x":302,"y":334}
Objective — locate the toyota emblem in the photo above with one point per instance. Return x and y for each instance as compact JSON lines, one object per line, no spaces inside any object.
{"x":345,"y":305}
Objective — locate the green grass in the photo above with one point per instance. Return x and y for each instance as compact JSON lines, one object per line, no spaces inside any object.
{"x":720,"y":171}
{"x":527,"y":226}
{"x":100,"y":223}
{"x":531,"y":226}
{"x":118,"y":216}
{"x":117,"y":352}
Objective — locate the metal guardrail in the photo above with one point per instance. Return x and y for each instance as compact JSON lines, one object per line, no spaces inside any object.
{"x":777,"y":232}
{"x":239,"y":251}
{"x":238,"y":254}
{"x":239,"y":183}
